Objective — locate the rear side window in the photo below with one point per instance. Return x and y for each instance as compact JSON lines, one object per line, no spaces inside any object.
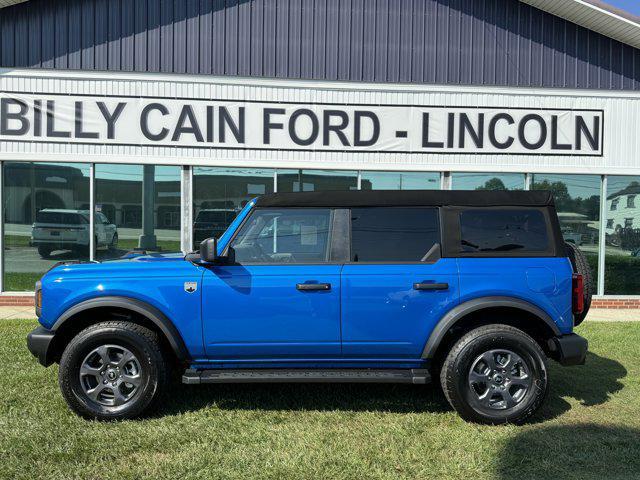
{"x":393,"y":234}
{"x":503,"y":230}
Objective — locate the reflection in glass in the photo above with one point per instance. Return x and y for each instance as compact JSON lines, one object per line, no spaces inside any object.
{"x":400,"y":180}
{"x":622,"y":233}
{"x":316,"y":180}
{"x":577,"y":199}
{"x":46,"y":215}
{"x":219,"y":193}
{"x":287,"y":235}
{"x":137,"y":208}
{"x":487,"y":181}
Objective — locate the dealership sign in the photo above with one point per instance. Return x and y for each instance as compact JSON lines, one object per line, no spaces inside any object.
{"x":253,"y":125}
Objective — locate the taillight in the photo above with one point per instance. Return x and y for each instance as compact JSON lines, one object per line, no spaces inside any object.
{"x":577,"y":290}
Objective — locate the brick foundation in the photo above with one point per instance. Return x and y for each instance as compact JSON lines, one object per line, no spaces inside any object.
{"x":16,"y":300}
{"x":601,"y":302}
{"x":604,"y":302}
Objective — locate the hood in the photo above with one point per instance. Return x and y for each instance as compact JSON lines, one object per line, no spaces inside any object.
{"x":134,"y":265}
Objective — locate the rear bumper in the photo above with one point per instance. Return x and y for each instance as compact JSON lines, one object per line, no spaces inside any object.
{"x":57,"y":243}
{"x":39,"y":344}
{"x":569,"y":349}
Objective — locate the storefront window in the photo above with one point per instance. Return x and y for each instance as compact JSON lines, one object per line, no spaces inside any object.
{"x":487,"y":181}
{"x":136,"y":207}
{"x":219,"y":193}
{"x":316,"y":180}
{"x":399,"y":180}
{"x":46,"y":219}
{"x":622,"y":237}
{"x":577,"y":199}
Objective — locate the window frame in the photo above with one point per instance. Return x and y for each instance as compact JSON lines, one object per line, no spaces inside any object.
{"x":430,"y":261}
{"x":452,"y":234}
{"x":631,"y":201}
{"x":330,"y":242}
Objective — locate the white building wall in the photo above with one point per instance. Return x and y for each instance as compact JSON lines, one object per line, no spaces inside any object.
{"x":621,"y":144}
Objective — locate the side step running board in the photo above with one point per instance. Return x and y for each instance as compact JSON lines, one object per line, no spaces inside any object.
{"x":299,"y":375}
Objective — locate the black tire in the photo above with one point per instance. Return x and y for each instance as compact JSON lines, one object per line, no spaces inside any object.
{"x":114,"y":242}
{"x":581,"y":265}
{"x":153,"y":373}
{"x":456,"y":375}
{"x":44,"y":251}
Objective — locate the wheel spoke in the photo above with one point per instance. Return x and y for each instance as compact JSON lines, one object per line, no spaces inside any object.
{"x":524,"y":381}
{"x":103,"y":353}
{"x":476,"y":377}
{"x":133,"y":380}
{"x":490,"y":359}
{"x":508,"y":398}
{"x":94,"y":393}
{"x":127,"y":356}
{"x":86,"y":369}
{"x":485,"y":398}
{"x":118,"y":397}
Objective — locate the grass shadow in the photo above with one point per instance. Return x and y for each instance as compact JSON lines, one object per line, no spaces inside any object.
{"x":582,"y":451}
{"x":591,"y":384}
{"x":306,"y":397}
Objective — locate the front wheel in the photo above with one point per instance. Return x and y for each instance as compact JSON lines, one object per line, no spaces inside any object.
{"x":495,"y":374}
{"x":113,"y":370}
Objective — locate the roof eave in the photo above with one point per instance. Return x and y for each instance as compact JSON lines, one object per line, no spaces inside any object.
{"x":595,"y":15}
{"x":8,"y":3}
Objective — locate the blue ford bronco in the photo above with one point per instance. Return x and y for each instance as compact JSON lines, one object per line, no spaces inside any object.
{"x":476,"y":289}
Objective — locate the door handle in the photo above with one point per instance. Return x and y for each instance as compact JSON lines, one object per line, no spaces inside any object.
{"x":310,"y":287}
{"x":430,"y":286}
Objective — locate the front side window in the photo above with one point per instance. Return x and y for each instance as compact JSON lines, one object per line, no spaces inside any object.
{"x":393,"y":234}
{"x":285,"y":235}
{"x":495,"y":230}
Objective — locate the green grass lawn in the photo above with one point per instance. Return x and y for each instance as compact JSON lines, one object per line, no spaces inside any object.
{"x":589,"y":428}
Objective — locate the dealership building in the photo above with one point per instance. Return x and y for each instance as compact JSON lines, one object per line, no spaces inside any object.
{"x":124,"y":123}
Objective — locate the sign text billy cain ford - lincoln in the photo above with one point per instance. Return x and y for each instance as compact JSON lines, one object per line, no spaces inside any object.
{"x":291,"y":126}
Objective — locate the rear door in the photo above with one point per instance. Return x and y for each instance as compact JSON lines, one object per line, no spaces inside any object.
{"x":395,"y":287}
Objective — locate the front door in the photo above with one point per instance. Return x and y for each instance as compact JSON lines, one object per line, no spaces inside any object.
{"x":396,"y":287}
{"x":279,"y":296}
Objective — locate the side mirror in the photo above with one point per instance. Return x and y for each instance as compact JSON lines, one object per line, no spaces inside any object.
{"x":209,"y":250}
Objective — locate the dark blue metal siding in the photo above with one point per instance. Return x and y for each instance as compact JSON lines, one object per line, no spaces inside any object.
{"x":479,"y":42}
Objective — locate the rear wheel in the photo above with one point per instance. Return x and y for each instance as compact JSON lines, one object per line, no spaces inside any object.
{"x":495,"y":374}
{"x":113,"y":370}
{"x":44,"y":251}
{"x":114,"y":242}
{"x":581,"y":265}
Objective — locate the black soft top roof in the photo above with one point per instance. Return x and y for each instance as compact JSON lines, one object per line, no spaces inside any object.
{"x":394,"y":198}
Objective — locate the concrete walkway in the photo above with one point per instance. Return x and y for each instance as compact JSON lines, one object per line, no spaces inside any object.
{"x":595,"y":314}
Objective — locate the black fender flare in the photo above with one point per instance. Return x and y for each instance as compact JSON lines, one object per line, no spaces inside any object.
{"x":150,"y":312}
{"x":464,"y":309}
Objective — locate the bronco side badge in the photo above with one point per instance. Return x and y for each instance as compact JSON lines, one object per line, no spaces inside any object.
{"x":190,"y":287}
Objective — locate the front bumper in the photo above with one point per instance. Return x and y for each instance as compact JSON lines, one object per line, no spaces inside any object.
{"x":569,"y":349}
{"x":39,"y":343}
